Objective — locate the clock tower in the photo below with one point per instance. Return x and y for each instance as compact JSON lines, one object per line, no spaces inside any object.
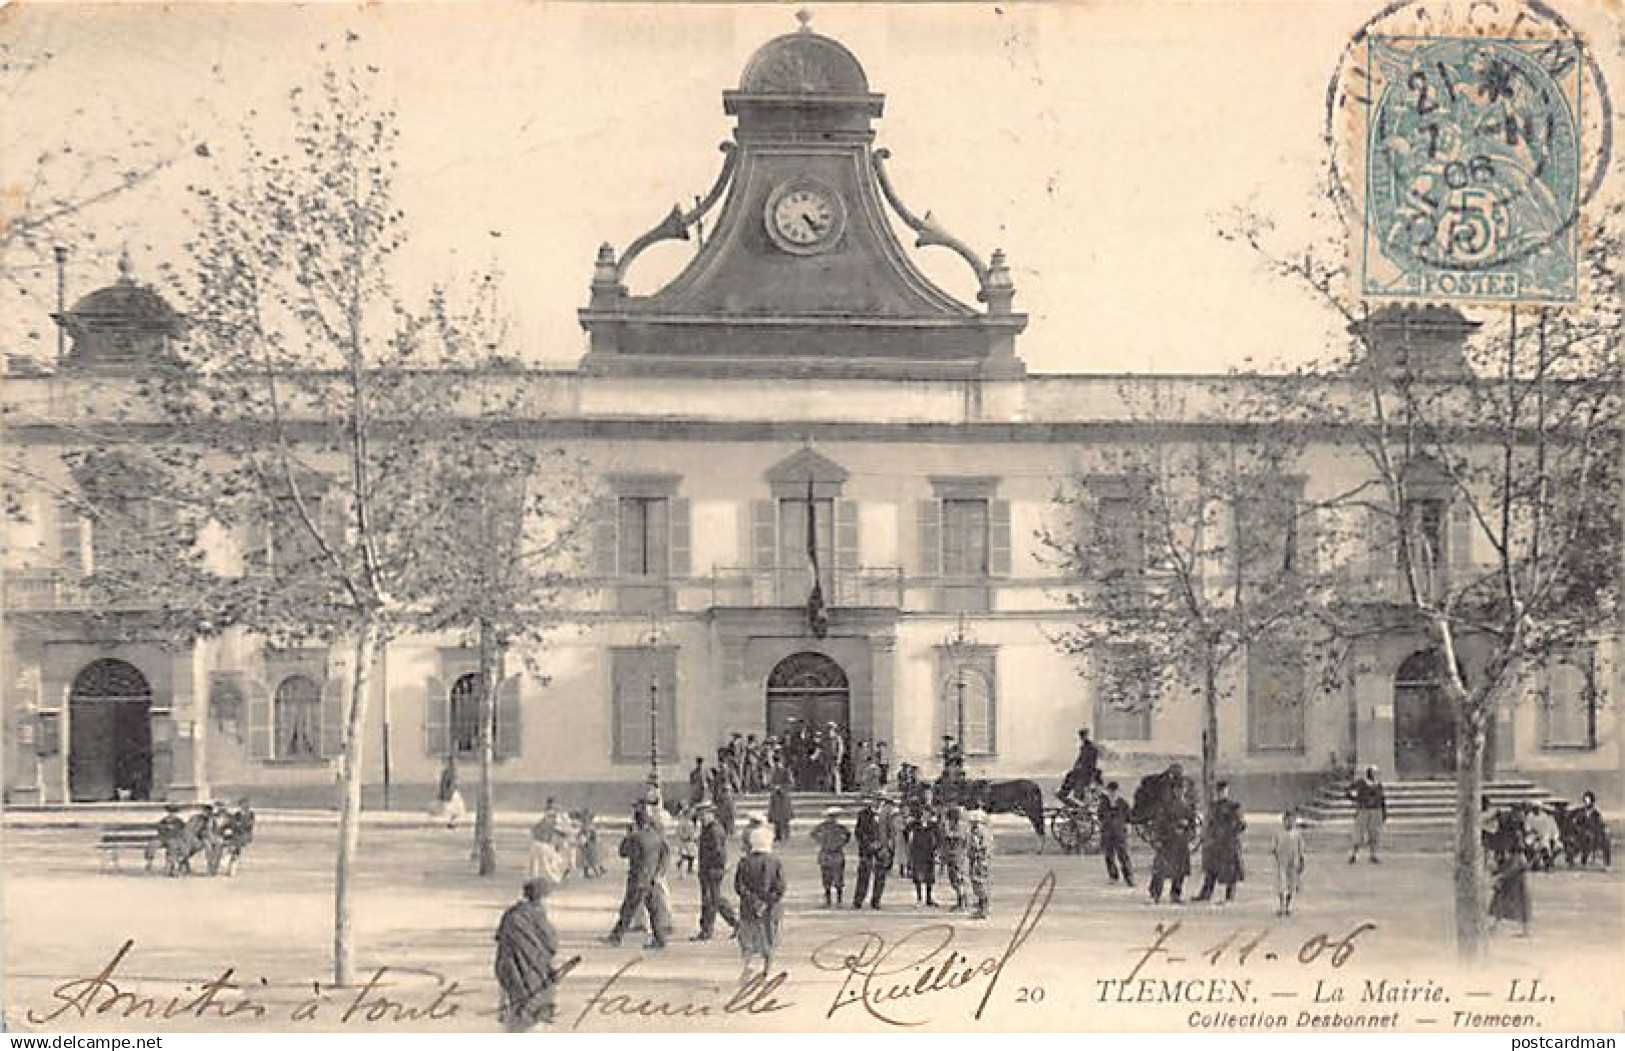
{"x":803,"y":274}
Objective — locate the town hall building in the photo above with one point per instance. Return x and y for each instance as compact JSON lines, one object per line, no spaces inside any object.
{"x":800,"y":375}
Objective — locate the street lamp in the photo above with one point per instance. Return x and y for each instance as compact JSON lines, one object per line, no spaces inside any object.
{"x":958,"y":645}
{"x":654,"y":707}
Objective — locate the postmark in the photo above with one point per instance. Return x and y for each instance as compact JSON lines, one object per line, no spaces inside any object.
{"x":1466,"y":140}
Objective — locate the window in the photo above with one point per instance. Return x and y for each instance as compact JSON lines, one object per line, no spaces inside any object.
{"x":1275,"y":698}
{"x":226,"y":704}
{"x":465,"y":715}
{"x":1568,"y":704}
{"x":644,"y":536}
{"x":1124,"y":690}
{"x":965,"y":702}
{"x":1425,"y":529}
{"x":293,"y":549}
{"x":1266,"y":529}
{"x":1119,"y":536}
{"x":640,"y":677}
{"x":298,"y":715}
{"x":793,"y":564}
{"x":964,"y":538}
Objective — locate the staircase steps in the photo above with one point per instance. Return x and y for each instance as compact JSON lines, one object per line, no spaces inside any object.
{"x":1416,"y":802}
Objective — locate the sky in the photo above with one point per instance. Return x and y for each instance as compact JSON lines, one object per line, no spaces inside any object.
{"x":1101,"y":145}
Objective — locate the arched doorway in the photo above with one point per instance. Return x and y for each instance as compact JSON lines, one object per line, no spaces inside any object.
{"x":807,"y":689}
{"x":1424,"y":724}
{"x":110,"y":735}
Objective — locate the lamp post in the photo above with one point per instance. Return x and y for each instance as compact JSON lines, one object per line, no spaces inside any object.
{"x":654,"y":707}
{"x":958,"y":645}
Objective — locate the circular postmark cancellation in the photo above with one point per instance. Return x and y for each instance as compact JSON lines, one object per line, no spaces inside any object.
{"x":1466,"y":139}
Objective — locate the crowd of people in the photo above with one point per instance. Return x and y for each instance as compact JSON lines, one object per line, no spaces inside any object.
{"x":217,"y":832}
{"x":805,"y":758}
{"x":929,"y":843}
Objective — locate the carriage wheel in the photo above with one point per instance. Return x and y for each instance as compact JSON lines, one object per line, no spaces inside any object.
{"x":1064,"y":828}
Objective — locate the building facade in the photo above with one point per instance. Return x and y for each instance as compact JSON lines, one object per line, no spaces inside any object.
{"x":799,"y":394}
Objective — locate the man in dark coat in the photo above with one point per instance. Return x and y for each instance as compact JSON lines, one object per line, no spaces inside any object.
{"x":696,"y":781}
{"x":646,"y":855}
{"x":1170,"y":823}
{"x":759,"y":882}
{"x":526,"y":945}
{"x":712,"y":868}
{"x":1113,"y":817}
{"x":1221,"y":845}
{"x":1085,"y":769}
{"x":877,"y":849}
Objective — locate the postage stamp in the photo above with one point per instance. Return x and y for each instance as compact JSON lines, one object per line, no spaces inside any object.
{"x":1472,"y":169}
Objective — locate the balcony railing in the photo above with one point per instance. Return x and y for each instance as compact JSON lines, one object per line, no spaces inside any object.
{"x":789,"y":585}
{"x":42,"y":589}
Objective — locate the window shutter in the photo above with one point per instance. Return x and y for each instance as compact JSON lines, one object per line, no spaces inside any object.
{"x":847,"y":555}
{"x":1380,"y":569}
{"x":1459,"y":532}
{"x":1082,"y":521}
{"x":1306,"y":551}
{"x":764,"y":529}
{"x":436,"y":714}
{"x":508,"y":733}
{"x":257,"y":699}
{"x":681,"y":543}
{"x":1219,"y":547}
{"x":335,"y":693}
{"x":73,"y":535}
{"x":929,"y":515}
{"x":604,"y":536}
{"x":998,"y":533}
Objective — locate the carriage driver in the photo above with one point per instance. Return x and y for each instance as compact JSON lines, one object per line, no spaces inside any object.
{"x":1084,"y":773}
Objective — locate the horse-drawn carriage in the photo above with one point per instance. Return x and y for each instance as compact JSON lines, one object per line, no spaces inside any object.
{"x":1075,"y":823}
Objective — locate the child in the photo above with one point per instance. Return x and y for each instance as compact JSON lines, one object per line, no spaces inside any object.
{"x":592,"y":859}
{"x":688,"y":841}
{"x":831,"y":837}
{"x":1287,"y":849}
{"x":1511,"y":898}
{"x":953,"y":854}
{"x":923,"y":840}
{"x":979,"y":862}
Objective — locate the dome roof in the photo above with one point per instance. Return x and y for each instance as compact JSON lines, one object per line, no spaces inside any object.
{"x":803,"y":63}
{"x":124,"y":303}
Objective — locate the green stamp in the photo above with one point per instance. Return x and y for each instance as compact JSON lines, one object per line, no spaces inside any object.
{"x":1472,"y":170}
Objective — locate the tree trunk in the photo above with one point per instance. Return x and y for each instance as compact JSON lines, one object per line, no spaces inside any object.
{"x":491,"y":661}
{"x":1210,"y":732}
{"x":1470,"y":879}
{"x":350,"y":774}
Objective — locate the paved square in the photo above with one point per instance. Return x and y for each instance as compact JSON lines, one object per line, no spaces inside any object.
{"x":424,"y":917}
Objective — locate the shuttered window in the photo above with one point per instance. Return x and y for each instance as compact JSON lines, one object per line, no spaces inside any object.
{"x":297,"y":718}
{"x":964,"y":538}
{"x":1568,"y":705}
{"x":1123,"y":694}
{"x":966,"y":703}
{"x":638,"y":676}
{"x":644,"y":534}
{"x":1275,"y":698}
{"x":1119,"y":536}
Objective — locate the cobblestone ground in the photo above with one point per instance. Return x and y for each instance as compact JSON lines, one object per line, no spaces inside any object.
{"x":422,"y":915}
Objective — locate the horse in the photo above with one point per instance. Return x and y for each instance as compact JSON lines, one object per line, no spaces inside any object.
{"x":997,"y":797}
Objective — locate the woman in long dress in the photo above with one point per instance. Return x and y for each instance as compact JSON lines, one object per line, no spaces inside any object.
{"x":759,"y":882}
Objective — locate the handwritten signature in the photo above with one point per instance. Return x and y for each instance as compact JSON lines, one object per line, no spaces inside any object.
{"x":920,"y":964}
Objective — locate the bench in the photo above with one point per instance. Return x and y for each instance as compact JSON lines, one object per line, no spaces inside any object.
{"x":118,"y":838}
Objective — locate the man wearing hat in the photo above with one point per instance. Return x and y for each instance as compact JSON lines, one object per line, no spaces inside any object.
{"x":876,"y":834}
{"x":526,"y":945}
{"x":831,"y":837}
{"x":167,"y":837}
{"x":713,"y":866}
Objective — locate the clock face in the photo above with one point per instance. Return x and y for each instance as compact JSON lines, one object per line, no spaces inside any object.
{"x":804,"y":218}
